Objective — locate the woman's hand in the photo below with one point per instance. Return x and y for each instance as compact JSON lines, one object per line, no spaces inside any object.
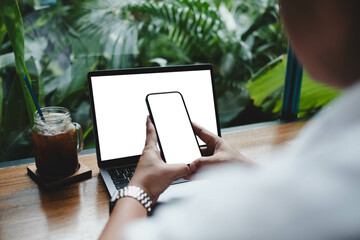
{"x":152,"y":174}
{"x":217,"y":150}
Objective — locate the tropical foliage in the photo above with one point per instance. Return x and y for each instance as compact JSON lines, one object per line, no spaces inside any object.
{"x":66,"y":39}
{"x":266,"y":90}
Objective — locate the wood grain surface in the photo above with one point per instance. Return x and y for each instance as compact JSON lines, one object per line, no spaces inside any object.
{"x":80,"y":210}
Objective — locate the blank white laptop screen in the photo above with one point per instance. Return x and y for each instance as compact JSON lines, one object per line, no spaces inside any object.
{"x":120,"y":108}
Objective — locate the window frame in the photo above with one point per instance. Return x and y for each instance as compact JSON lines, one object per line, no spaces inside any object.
{"x":292,"y":87}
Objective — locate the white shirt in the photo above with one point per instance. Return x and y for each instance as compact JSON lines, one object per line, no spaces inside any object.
{"x":309,"y":192}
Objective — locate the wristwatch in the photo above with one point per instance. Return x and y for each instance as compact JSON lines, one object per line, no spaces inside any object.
{"x":133,"y":192}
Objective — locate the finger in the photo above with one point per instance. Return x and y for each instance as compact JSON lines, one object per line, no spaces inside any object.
{"x":204,"y":134}
{"x":177,"y":171}
{"x":151,"y":138}
{"x":192,"y":167}
{"x":202,"y":162}
{"x":196,"y":165}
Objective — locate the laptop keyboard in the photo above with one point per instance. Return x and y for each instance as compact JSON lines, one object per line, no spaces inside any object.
{"x":121,"y":176}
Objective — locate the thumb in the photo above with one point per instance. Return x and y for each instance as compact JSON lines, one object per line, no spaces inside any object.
{"x":151,"y":138}
{"x":177,"y":171}
{"x":202,"y":162}
{"x":198,"y":164}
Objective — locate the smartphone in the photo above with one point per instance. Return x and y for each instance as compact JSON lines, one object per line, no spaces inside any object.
{"x":176,"y":136}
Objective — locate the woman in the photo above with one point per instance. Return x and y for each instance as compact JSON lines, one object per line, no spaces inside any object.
{"x":310,"y":192}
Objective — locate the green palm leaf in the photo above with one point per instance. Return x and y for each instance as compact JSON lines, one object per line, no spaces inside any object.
{"x":188,"y":25}
{"x":10,"y":15}
{"x":266,"y":90}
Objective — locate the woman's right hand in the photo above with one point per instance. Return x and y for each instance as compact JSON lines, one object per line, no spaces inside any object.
{"x":217,"y":150}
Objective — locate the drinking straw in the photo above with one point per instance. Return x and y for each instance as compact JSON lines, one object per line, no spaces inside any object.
{"x":34,"y":98}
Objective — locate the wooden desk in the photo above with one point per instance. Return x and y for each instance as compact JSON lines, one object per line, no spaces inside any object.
{"x":80,"y":211}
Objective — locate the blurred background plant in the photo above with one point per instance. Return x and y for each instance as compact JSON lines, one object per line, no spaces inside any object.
{"x":65,"y":39}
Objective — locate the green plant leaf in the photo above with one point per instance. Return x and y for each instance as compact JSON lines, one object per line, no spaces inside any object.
{"x":14,"y":116}
{"x":268,"y":80}
{"x":263,"y":18}
{"x":314,"y":95}
{"x":37,"y":81}
{"x":159,"y":61}
{"x":11,"y":16}
{"x":189,"y":25}
{"x":2,"y":30}
{"x":7,"y":60}
{"x":74,"y":80}
{"x":266,"y":89}
{"x":231,"y":104}
{"x":86,"y":133}
{"x":1,"y":100}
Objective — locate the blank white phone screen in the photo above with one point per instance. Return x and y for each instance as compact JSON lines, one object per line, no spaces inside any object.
{"x":173,"y":126}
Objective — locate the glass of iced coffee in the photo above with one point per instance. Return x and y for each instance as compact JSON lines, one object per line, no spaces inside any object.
{"x":57,"y":142}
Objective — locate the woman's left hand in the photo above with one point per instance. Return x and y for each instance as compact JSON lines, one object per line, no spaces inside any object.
{"x":152,"y":174}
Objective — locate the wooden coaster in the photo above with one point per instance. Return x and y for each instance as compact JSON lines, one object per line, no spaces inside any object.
{"x":81,"y":174}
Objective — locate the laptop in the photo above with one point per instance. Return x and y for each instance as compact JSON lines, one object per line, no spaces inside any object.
{"x":119,"y":112}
